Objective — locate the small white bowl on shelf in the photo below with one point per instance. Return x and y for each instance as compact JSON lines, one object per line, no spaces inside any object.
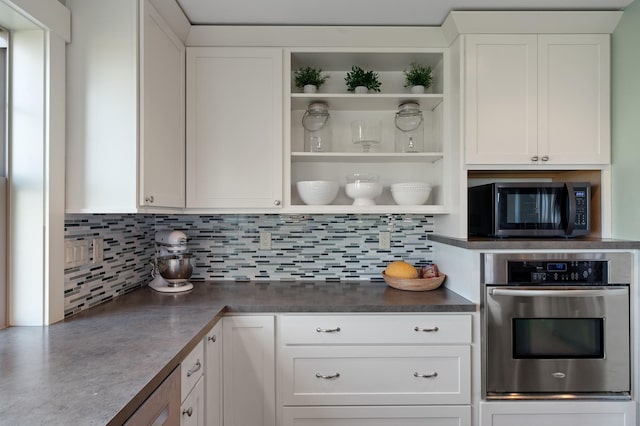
{"x":317,"y":192}
{"x":363,"y":189}
{"x":410,"y":193}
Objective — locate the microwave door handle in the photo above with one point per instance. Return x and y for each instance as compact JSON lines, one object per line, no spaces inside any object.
{"x":557,"y":293}
{"x":571,"y":219}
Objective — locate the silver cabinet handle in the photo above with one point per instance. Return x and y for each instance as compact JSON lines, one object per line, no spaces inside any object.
{"x":197,"y":367}
{"x":427,"y":330}
{"x":535,"y":158}
{"x":149,"y":199}
{"x":276,"y":203}
{"x":330,"y":376}
{"x":328,"y":330}
{"x":188,"y":411}
{"x":426,"y":376}
{"x":212,"y":338}
{"x":557,"y":293}
{"x":545,"y":158}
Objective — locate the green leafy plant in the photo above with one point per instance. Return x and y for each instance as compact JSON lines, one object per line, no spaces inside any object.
{"x":418,"y":75}
{"x":309,"y":75}
{"x":359,"y":77}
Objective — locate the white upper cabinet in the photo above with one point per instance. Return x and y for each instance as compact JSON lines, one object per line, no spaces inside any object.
{"x":234,"y":128}
{"x":125,"y":117}
{"x":162,"y":109}
{"x":537,"y":99}
{"x":574,"y":99}
{"x":384,"y":159}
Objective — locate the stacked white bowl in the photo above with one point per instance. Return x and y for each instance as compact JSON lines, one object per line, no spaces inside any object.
{"x":318,"y":192}
{"x":410,"y":193}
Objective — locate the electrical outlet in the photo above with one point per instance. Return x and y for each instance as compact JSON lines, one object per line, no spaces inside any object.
{"x":265,"y":241}
{"x":98,"y":250}
{"x":384,"y":240}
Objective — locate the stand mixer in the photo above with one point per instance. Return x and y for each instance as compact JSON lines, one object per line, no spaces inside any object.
{"x":172,"y":266}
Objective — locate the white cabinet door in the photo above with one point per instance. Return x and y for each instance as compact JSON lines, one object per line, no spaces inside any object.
{"x":377,"y":416}
{"x":375,"y":375}
{"x":249,"y":371}
{"x":162,"y":103}
{"x":234,"y":128}
{"x":574,"y":104}
{"x":537,"y":99}
{"x":501,"y":99}
{"x":213,"y":376}
{"x":558,"y":413}
{"x":193,"y":408}
{"x":125,"y":102}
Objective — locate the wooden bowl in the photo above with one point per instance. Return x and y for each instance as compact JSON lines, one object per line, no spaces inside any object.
{"x":414,"y":284}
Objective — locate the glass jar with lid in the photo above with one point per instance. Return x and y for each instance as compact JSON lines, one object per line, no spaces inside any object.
{"x":317,"y":128}
{"x":409,"y":135}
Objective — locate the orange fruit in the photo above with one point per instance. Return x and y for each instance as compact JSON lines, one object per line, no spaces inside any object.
{"x":401,"y":269}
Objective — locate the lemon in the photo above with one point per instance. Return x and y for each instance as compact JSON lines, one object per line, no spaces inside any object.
{"x":401,"y":269}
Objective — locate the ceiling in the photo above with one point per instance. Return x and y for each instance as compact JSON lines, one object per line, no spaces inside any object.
{"x":363,"y":12}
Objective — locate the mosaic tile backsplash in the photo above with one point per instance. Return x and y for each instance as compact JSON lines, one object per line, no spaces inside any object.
{"x":227,"y":247}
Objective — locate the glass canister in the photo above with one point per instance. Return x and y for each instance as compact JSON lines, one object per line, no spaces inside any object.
{"x":409,"y":128}
{"x":317,"y":128}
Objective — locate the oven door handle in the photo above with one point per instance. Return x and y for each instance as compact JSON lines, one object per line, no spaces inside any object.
{"x":557,"y":293}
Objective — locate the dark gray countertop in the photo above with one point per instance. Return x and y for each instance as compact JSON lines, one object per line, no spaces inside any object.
{"x":98,"y":366}
{"x":486,"y":243}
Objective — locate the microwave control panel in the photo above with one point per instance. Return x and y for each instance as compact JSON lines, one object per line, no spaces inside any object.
{"x":589,"y":272}
{"x":582,"y":207}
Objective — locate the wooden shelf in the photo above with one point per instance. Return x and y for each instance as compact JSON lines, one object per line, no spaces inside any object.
{"x":365,"y":102}
{"x":374,"y":157}
{"x":377,"y":209}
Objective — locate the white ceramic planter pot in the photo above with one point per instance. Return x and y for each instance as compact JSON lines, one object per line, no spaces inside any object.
{"x":310,"y":88}
{"x":361,"y":89}
{"x":417,"y":89}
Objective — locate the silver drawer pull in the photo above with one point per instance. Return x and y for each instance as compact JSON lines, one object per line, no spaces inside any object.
{"x":330,"y":376}
{"x":188,"y":411}
{"x":426,"y":376}
{"x":427,"y":330}
{"x":197,"y":367}
{"x":328,"y":330}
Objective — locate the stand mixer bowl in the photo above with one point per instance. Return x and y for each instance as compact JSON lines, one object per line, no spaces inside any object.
{"x":175,"y":268}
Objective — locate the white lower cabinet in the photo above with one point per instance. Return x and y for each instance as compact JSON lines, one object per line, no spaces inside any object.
{"x":249,"y":370}
{"x":192,"y":409}
{"x":374,"y":369}
{"x":562,"y":413}
{"x":377,"y":416}
{"x":213,"y":376}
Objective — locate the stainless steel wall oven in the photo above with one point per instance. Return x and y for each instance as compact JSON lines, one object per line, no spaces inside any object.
{"x":556,"y":325}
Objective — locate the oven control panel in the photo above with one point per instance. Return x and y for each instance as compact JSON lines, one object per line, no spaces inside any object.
{"x":589,"y":272}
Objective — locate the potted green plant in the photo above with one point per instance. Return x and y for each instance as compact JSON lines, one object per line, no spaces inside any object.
{"x":418,"y":77}
{"x":361,"y":81}
{"x":309,"y":79}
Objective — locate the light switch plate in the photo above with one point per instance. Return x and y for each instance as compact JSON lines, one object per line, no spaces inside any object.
{"x":76,"y":253}
{"x":265,"y":241}
{"x":384,"y":240}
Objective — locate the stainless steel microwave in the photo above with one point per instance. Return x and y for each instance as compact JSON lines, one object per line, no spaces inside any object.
{"x":529,"y":209}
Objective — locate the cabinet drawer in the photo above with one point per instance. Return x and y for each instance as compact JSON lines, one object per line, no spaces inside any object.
{"x":192,"y":368}
{"x":377,"y":416}
{"x":374,"y":329}
{"x":375,"y":375}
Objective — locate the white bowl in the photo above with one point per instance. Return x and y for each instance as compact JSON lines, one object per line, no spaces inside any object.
{"x":363,"y":193}
{"x":410,"y":193}
{"x":317,"y":192}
